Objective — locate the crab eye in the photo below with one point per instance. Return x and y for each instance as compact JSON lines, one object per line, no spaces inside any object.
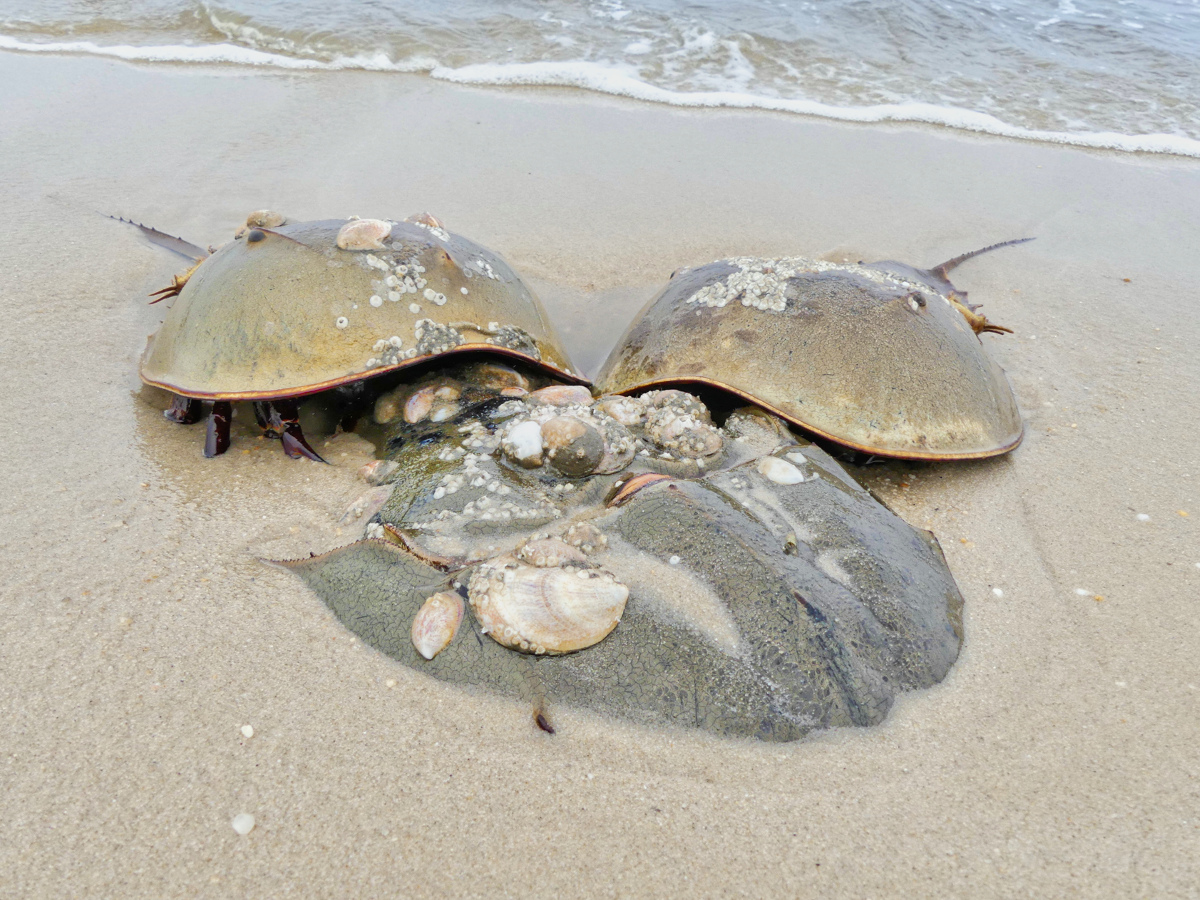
{"x":253,"y":236}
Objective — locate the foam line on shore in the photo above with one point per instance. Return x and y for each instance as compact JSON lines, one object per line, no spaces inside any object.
{"x":616,"y":81}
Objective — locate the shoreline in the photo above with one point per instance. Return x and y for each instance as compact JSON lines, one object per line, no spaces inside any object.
{"x":142,"y":632}
{"x":608,"y":81}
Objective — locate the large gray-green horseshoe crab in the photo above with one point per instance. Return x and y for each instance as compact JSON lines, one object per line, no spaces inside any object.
{"x":286,"y":310}
{"x":629,"y":556}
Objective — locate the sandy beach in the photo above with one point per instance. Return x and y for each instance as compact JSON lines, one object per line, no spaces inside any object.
{"x":140,"y":631}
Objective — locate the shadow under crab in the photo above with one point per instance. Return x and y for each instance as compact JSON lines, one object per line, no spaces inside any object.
{"x":768,"y":594}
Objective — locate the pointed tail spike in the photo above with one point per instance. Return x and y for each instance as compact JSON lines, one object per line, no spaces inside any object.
{"x":943,"y":269}
{"x":162,"y":239}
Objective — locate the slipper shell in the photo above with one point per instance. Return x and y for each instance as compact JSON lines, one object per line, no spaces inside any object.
{"x":545,"y":610}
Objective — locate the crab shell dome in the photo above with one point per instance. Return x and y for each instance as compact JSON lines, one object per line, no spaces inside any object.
{"x":284,"y":311}
{"x":877,"y":358}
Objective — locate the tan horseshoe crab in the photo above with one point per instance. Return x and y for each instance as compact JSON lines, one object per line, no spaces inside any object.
{"x":631,"y":557}
{"x":882,"y":358}
{"x":287,"y":310}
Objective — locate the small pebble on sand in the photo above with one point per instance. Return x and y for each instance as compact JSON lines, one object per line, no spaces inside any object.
{"x":248,"y":731}
{"x":1142,"y":517}
{"x":243,"y":823}
{"x":998,"y":592}
{"x":391,"y":682}
{"x":1083,"y":592}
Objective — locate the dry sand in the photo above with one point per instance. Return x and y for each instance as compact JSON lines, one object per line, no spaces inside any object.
{"x":140,"y":633}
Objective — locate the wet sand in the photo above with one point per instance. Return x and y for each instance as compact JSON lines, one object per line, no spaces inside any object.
{"x":140,"y":631}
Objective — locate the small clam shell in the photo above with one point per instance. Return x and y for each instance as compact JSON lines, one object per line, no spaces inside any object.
{"x":436,"y":623}
{"x":562,"y":395}
{"x":562,"y":431}
{"x":626,"y":410}
{"x":522,"y":443}
{"x":626,"y":489}
{"x":444,"y":411}
{"x":757,"y":429}
{"x":682,"y":433}
{"x":549,"y":610}
{"x":425,"y":218}
{"x":388,"y":408}
{"x":498,"y":377}
{"x":549,"y":552}
{"x":418,"y":405}
{"x":779,"y":470}
{"x":681,"y":401}
{"x":265,"y":218}
{"x":364,"y":234}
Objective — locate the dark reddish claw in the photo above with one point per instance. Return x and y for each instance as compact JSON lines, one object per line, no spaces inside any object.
{"x":216,"y":439}
{"x":184,"y":411}
{"x":285,"y":419}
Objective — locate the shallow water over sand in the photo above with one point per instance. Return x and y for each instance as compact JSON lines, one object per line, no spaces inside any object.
{"x":1089,"y":72}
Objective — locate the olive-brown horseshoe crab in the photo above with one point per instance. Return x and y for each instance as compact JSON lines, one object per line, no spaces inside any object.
{"x":882,"y":358}
{"x":630,"y":557}
{"x":286,"y":310}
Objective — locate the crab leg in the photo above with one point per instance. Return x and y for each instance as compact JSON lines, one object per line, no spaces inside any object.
{"x":183,"y":411}
{"x":262,"y":415}
{"x":285,"y":418}
{"x":216,"y":439}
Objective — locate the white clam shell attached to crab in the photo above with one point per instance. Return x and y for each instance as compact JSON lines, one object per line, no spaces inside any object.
{"x":436,"y":623}
{"x":545,"y":610}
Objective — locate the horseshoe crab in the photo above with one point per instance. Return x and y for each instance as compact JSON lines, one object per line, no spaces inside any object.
{"x":286,"y":310}
{"x":728,"y":578}
{"x":882,"y":358}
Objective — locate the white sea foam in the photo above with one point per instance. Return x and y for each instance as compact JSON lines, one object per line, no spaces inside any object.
{"x":610,"y":80}
{"x":616,"y":80}
{"x":217,"y":53}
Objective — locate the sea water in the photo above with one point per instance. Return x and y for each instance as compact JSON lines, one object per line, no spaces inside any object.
{"x":1123,"y":74}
